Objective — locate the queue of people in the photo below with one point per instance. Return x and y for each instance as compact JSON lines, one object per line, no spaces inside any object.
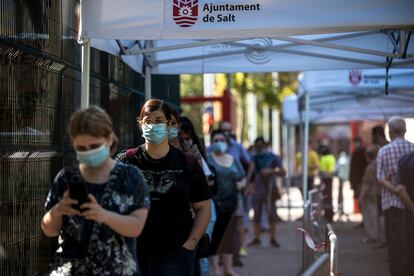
{"x":382,"y":178}
{"x":154,"y":208}
{"x":147,"y":211}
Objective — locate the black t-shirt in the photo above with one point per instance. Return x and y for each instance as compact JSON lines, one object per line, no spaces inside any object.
{"x":174,"y":182}
{"x":406,"y":173}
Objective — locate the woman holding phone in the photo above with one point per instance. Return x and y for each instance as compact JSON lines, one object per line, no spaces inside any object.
{"x":178,"y":189}
{"x":97,"y":207}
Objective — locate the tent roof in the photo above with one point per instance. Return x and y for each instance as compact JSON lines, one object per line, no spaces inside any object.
{"x":200,"y":19}
{"x":261,"y":36}
{"x":346,"y":95}
{"x":300,"y":53}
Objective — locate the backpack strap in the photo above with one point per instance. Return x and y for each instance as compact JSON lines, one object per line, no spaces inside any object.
{"x":190,"y":159}
{"x":130,"y":153}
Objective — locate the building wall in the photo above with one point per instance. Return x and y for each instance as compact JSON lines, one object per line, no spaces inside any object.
{"x":39,"y":89}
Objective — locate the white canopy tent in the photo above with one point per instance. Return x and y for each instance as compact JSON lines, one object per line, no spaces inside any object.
{"x":253,"y":36}
{"x":186,"y":19}
{"x":205,"y":36}
{"x":366,"y":49}
{"x":347,"y":95}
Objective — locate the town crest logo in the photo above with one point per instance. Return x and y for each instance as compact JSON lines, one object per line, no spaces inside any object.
{"x":185,"y":12}
{"x":355,"y":77}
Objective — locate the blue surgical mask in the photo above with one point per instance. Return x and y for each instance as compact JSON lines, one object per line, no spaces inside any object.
{"x":93,"y":158}
{"x":172,"y":133}
{"x":154,"y":133}
{"x":220,"y":147}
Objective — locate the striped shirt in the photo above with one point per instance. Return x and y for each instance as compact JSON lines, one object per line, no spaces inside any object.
{"x":387,"y":168}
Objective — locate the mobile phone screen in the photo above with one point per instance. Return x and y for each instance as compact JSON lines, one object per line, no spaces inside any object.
{"x":79,"y":191}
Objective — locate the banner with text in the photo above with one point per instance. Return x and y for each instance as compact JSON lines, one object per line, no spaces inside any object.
{"x":206,"y":19}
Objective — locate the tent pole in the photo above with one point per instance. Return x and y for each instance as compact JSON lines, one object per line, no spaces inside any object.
{"x":305,"y":260}
{"x":147,"y":82}
{"x":148,"y":64}
{"x":287,"y":158}
{"x":305,"y":149}
{"x":86,"y":51}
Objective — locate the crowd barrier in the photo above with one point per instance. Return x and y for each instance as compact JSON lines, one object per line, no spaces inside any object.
{"x":317,"y":259}
{"x":327,"y":262}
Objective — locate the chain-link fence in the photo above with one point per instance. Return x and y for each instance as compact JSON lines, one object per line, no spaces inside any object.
{"x":39,"y":89}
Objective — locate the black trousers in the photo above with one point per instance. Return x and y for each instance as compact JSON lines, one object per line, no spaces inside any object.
{"x":396,"y":242}
{"x":327,"y":198}
{"x":409,"y":237}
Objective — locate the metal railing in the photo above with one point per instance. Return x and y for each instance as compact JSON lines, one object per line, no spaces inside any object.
{"x":332,"y":246}
{"x":315,"y":262}
{"x":313,"y":221}
{"x":326,"y":263}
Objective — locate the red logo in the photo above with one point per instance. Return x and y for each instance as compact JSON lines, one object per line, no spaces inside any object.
{"x":355,"y":77}
{"x":185,"y":12}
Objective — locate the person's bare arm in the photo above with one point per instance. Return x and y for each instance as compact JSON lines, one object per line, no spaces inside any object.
{"x":250,"y":170}
{"x":405,"y":198}
{"x":130,"y":225}
{"x":387,"y":185}
{"x":52,"y":221}
{"x":202,"y":218}
{"x":266,"y":173}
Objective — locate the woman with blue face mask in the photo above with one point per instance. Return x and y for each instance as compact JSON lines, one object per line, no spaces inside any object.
{"x":167,"y":244}
{"x":229,"y":175}
{"x":173,"y":132}
{"x":181,"y":135}
{"x":98,"y":234}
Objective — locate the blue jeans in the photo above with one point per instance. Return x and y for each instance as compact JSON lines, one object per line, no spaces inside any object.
{"x":179,"y":262}
{"x":204,"y":269}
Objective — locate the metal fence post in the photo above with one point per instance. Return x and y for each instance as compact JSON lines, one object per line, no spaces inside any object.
{"x":332,"y":246}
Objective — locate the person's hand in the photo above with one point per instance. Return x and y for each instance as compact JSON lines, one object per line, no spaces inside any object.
{"x":241,"y":184}
{"x":190,"y":244}
{"x":93,"y":211}
{"x":400,"y":190}
{"x":249,"y":190}
{"x":64,"y":207}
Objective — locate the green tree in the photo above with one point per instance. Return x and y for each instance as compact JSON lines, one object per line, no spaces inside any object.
{"x":191,"y":85}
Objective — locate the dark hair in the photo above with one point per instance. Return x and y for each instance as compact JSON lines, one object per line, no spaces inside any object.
{"x":154,"y":105}
{"x":93,"y":121}
{"x":187,"y":126}
{"x":174,"y":113}
{"x":371,"y":152}
{"x":324,"y":150}
{"x":260,"y":139}
{"x":216,"y":132}
{"x":377,"y":132}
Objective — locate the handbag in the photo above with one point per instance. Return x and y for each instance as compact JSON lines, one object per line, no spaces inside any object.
{"x":203,"y":247}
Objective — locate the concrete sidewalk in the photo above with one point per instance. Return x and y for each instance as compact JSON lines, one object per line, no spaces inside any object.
{"x":267,"y":260}
{"x":355,"y":257}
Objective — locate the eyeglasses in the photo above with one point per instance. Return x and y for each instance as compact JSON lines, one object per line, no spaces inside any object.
{"x":219,"y":140}
{"x":156,"y":122}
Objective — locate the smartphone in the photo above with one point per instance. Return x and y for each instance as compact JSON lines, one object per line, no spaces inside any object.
{"x":79,"y":192}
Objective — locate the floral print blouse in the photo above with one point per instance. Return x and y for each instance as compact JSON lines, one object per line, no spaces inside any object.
{"x":90,"y":248}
